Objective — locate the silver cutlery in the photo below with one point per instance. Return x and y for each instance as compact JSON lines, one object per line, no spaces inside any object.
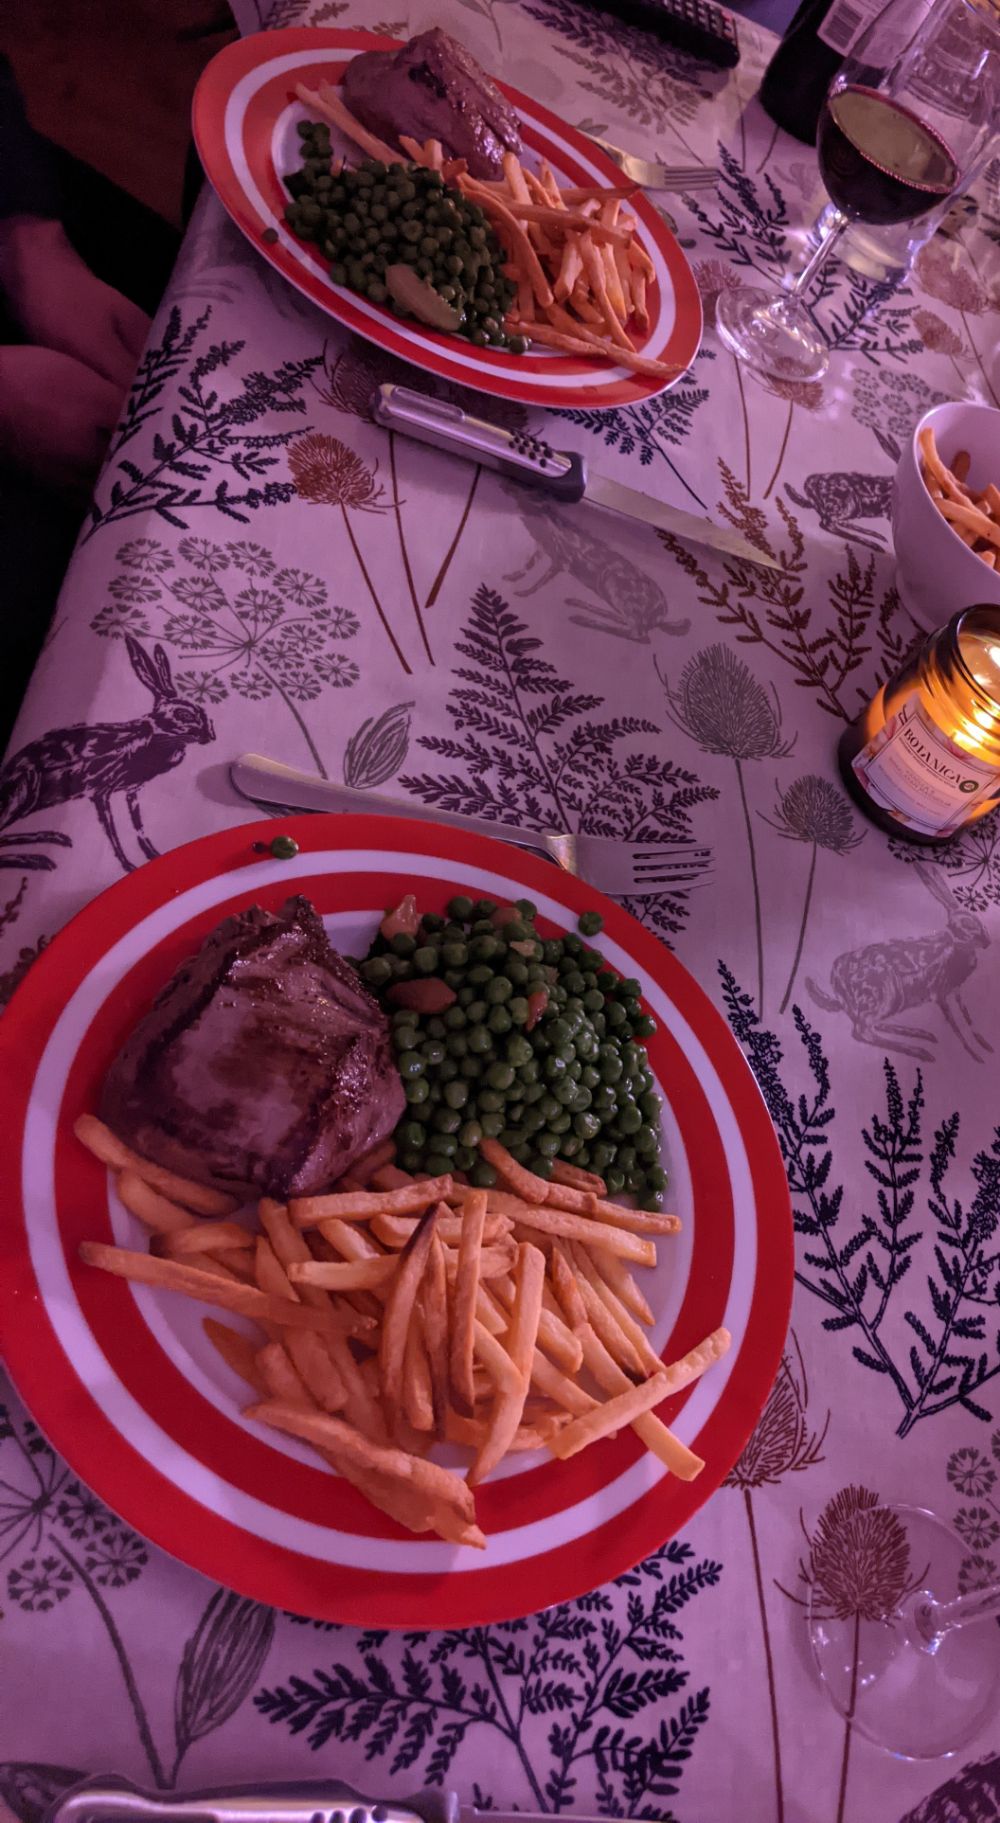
{"x":637,"y":870}
{"x":562,"y":473}
{"x":653,"y":176}
{"x":299,"y":1801}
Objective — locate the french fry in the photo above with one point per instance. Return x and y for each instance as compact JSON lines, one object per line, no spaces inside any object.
{"x":497,"y":1362}
{"x":154,"y":1211}
{"x":203,"y":1237}
{"x":508,"y":1406}
{"x":280,"y":1378}
{"x":360,"y":1205}
{"x":512,"y":235}
{"x":594,"y":346}
{"x":345,"y":1275}
{"x":104,"y":1145}
{"x":313,"y":1363}
{"x":617,"y":1275}
{"x":567,"y":1291}
{"x":674,"y":1454}
{"x":395,"y":1230}
{"x":327,"y":103}
{"x":593,"y":266}
{"x":447,"y":1496}
{"x":960,"y":465}
{"x":554,"y":1336}
{"x":646,"y":1357}
{"x":607,"y":1419}
{"x":573,"y":1177}
{"x":967,"y":518}
{"x":398,"y":1314}
{"x":378,"y":1159}
{"x":608,"y":1330}
{"x":533,"y":1436}
{"x":237,"y":1260}
{"x":434,"y":1312}
{"x":622,"y":1241}
{"x":237,"y":1351}
{"x":464,"y":1298}
{"x":951,"y":487}
{"x":570,"y":269}
{"x":418,"y":1396}
{"x":199,"y":1283}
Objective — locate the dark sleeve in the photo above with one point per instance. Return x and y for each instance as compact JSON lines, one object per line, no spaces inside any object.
{"x":27,"y":180}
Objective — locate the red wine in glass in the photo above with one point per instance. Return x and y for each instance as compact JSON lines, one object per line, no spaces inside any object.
{"x":879,"y":161}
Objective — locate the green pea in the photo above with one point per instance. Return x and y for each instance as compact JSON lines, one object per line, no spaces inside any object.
{"x":454,"y":955}
{"x":644,"y":1027}
{"x":542,"y":1166}
{"x":601,"y":1155}
{"x":476,"y":1011}
{"x":484,"y":908}
{"x":454,"y":1018}
{"x":410,"y":1063}
{"x":460,"y":908}
{"x":497,"y":990}
{"x":547,"y":1144}
{"x":377,"y":971}
{"x":457,"y":1044}
{"x":483,"y":1175}
{"x":425,"y":959}
{"x":492,"y":1124}
{"x":615,"y":1180}
{"x":589,"y":1077}
{"x":587,"y":1126}
{"x":456,"y":1094}
{"x":402,"y":944}
{"x":480,"y":976}
{"x":499,"y":1076}
{"x":479,"y":1040}
{"x":626,"y":1157}
{"x":437,"y":1165}
{"x":446,"y":1071}
{"x":470,"y":1133}
{"x":412,"y":1133}
{"x":616,"y":1015}
{"x":466,"y":995}
{"x":518,"y":1050}
{"x":593,"y":1001}
{"x":581,"y":1101}
{"x":499,"y":1019}
{"x":558,"y":1032}
{"x":416,"y":1090}
{"x":516,"y":971}
{"x":446,"y":1120}
{"x":490,"y":1102}
{"x":656,"y":1178}
{"x":485,"y":948}
{"x":465,"y":1157}
{"x":629,"y":1118}
{"x":411,"y":1158}
{"x":435,"y":1027}
{"x":406,"y":1036}
{"x":470,"y":1067}
{"x":590,"y":922}
{"x":446,"y":1144}
{"x":647,"y":1143}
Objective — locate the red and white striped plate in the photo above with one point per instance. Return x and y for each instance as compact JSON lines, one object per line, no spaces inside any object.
{"x":122,"y":1379}
{"x":244,"y":120}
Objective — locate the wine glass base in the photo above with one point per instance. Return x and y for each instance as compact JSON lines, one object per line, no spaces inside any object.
{"x":773,"y":334}
{"x":921,"y":1700}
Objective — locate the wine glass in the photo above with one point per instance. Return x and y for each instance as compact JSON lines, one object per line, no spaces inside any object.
{"x":907,"y":1659}
{"x":904,"y":122}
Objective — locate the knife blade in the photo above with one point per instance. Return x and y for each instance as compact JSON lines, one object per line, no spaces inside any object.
{"x":117,"y":1800}
{"x":561,"y":473}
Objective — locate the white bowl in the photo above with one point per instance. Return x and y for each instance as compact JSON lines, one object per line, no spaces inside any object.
{"x":936,"y":573}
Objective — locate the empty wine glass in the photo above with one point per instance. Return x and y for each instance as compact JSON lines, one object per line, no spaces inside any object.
{"x":905,"y":121}
{"x":911,"y":1663}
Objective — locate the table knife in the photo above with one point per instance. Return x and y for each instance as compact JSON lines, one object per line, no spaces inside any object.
{"x":114,"y":1800}
{"x":561,"y":473}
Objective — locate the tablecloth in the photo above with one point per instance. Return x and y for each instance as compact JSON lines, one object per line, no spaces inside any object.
{"x":260,"y":570}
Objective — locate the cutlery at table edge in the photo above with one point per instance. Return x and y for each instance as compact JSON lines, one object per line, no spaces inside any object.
{"x":117,"y":1800}
{"x":621,"y":869}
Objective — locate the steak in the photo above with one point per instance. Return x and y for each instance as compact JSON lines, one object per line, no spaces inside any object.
{"x":264,"y":1067}
{"x":434,"y":89}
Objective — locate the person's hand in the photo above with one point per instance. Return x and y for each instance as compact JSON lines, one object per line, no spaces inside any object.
{"x":56,"y":415}
{"x":60,"y":304}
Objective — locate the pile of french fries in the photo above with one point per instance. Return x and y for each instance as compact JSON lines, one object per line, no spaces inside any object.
{"x":974,"y":516}
{"x":581,"y":271}
{"x":398,"y":1313}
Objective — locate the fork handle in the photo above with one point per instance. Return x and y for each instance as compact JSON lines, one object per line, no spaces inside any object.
{"x":269,"y":782}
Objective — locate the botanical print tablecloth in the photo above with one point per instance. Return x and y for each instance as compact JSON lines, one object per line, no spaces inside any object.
{"x":263,"y":568}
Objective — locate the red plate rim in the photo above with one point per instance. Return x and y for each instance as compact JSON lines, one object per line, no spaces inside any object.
{"x":504,"y":376}
{"x":61,"y":1403}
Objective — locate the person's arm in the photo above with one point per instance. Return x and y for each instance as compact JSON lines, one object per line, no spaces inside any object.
{"x":27,"y":180}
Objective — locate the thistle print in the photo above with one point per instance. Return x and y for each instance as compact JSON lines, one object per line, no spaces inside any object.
{"x":783,"y":1443}
{"x":943,"y":271}
{"x":584,"y":1688}
{"x":813,"y":811}
{"x":377,"y":749}
{"x":720,"y":704}
{"x":59,"y":1543}
{"x":214,"y":455}
{"x":247,"y":626}
{"x":325,"y":472}
{"x":858,"y":1568}
{"x":856,"y":1259}
{"x":529,"y":748}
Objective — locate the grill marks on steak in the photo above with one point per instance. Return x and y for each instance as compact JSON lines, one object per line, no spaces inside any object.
{"x":263,"y":1067}
{"x":434,"y":89}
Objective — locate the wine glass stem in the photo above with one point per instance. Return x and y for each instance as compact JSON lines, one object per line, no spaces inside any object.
{"x":800,"y":285}
{"x":936,"y":1618}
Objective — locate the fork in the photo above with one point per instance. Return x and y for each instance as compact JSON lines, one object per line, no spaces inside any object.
{"x":637,"y":870}
{"x":652,"y":176}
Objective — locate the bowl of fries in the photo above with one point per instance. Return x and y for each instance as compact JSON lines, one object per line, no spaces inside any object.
{"x":946,"y":513}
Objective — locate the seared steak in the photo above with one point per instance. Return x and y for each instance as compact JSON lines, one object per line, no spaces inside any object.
{"x":434,"y":89}
{"x":264,"y":1066}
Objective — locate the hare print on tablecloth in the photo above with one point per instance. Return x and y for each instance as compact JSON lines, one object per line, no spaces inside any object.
{"x":631,"y":604}
{"x":99,"y":761}
{"x":880,"y":980}
{"x":842,"y":498}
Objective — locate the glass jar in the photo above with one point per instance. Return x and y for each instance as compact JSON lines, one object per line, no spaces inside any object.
{"x":923,"y":760}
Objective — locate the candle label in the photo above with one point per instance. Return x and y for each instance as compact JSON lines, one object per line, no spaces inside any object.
{"x":914,"y":771}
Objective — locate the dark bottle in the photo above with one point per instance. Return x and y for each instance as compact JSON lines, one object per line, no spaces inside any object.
{"x":807,"y":59}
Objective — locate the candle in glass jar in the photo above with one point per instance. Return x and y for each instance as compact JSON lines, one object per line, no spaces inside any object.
{"x":923,"y":760}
